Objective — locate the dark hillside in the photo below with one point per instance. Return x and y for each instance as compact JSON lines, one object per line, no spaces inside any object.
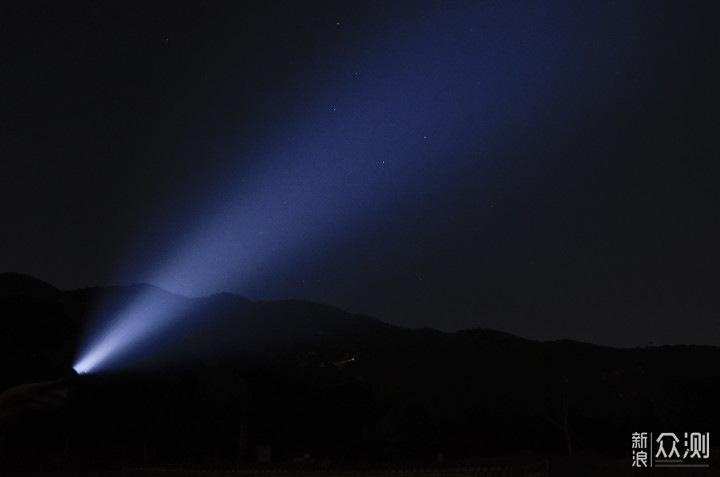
{"x":305,"y":378}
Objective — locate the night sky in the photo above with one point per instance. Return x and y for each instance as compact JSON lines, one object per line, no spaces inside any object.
{"x":548,"y":169}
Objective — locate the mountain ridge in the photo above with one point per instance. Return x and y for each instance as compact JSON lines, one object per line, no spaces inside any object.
{"x":294,"y":371}
{"x":18,"y":284}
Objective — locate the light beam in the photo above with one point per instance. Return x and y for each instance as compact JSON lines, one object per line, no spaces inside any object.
{"x":398,"y":120}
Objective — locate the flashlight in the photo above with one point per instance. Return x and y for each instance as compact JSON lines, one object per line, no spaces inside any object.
{"x":70,"y":378}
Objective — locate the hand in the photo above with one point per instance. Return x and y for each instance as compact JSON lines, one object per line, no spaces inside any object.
{"x":30,"y":400}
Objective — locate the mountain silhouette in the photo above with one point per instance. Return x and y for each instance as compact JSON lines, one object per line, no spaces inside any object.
{"x":310,"y":378}
{"x":17,"y":285}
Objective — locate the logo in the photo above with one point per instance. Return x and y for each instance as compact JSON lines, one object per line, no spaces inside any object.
{"x":668,"y":450}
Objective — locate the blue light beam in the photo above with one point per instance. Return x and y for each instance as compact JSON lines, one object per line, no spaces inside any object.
{"x":427,"y":101}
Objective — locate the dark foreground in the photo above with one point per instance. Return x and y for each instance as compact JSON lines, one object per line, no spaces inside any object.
{"x":587,"y":465}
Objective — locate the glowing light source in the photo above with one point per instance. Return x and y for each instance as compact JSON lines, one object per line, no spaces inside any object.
{"x":115,"y":342}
